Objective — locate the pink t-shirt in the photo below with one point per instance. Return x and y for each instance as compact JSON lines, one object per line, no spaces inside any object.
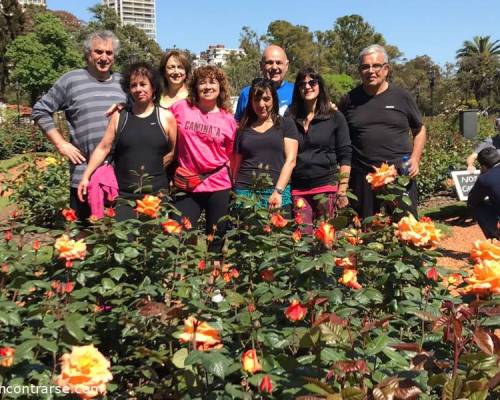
{"x":204,"y":142}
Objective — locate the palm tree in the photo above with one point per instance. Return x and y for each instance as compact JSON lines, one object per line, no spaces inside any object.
{"x":479,"y":62}
{"x":480,"y":45}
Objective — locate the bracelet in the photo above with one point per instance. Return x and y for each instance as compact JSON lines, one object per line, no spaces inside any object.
{"x":278,"y":190}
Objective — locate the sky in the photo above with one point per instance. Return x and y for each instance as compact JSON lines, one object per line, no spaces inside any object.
{"x":436,"y":28}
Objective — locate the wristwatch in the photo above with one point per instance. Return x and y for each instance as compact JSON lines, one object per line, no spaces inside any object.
{"x":278,"y":190}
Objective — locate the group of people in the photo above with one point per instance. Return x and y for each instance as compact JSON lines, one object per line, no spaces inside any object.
{"x":172,"y":124}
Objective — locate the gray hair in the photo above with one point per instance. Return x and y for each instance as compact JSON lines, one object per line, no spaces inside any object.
{"x":374,"y":48}
{"x":102,"y":35}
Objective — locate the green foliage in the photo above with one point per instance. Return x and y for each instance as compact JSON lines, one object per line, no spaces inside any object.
{"x":40,"y":191}
{"x":400,"y":334}
{"x":17,"y":138}
{"x":42,"y":56}
{"x":338,"y":85}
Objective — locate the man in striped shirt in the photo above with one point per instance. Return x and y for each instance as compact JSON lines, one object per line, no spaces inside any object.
{"x":84,"y":95}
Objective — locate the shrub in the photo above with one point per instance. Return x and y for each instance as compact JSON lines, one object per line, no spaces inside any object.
{"x":350,"y":312}
{"x":19,"y":138}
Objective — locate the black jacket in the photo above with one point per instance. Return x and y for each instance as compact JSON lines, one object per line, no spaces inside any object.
{"x":322,"y":148}
{"x":487,"y":185}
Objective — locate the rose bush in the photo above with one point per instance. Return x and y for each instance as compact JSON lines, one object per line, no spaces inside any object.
{"x":352,"y":311}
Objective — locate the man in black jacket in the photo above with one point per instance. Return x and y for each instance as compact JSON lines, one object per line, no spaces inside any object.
{"x":484,"y":198}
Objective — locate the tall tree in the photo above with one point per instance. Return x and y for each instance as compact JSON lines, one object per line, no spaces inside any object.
{"x":297,"y":41}
{"x":42,"y":56}
{"x":350,"y":34}
{"x":241,"y":69}
{"x":479,"y":66}
{"x":135,"y":45}
{"x":11,"y":25}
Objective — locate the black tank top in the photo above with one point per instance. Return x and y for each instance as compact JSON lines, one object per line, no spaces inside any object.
{"x":139,"y":150}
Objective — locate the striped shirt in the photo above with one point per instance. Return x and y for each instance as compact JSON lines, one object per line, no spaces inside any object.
{"x":84,"y":101}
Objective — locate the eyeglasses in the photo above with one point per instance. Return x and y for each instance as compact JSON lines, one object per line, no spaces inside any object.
{"x":374,"y":67}
{"x":312,"y":83}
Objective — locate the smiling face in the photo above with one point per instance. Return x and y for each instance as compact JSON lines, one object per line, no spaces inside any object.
{"x":175,"y":71}
{"x":141,"y":89}
{"x":101,"y":56}
{"x":373,"y":70}
{"x":274,"y":64}
{"x":208,"y":89}
{"x":262,"y":105}
{"x":309,"y":88}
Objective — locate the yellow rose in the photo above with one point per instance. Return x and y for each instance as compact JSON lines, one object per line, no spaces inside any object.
{"x":382,"y":176}
{"x":485,"y":250}
{"x":85,"y":372}
{"x":51,"y":161}
{"x":70,"y":249}
{"x":484,"y":278}
{"x":201,"y":334}
{"x":421,"y":233}
{"x":149,"y":205}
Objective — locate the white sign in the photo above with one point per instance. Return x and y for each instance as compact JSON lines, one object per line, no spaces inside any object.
{"x":464,"y":181}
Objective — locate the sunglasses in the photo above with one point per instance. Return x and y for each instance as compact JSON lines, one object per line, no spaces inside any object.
{"x":375,"y":67}
{"x":312,"y":83}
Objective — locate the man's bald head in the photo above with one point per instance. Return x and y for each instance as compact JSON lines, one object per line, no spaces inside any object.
{"x":274,"y":64}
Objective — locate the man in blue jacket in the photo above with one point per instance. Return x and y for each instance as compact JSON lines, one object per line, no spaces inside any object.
{"x":484,"y":198}
{"x":274,"y":66}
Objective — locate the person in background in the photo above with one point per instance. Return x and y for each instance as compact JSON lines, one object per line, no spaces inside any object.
{"x":493,"y":141}
{"x":84,"y":95}
{"x":144,"y":144}
{"x":324,"y":150}
{"x":380,"y":116}
{"x":266,"y":143}
{"x":205,"y":144}
{"x":175,"y":69}
{"x":274,"y":66}
{"x":484,"y":198}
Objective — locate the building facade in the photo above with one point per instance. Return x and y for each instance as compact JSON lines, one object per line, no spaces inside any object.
{"x":141,"y":13}
{"x":35,"y":2}
{"x":216,"y":54}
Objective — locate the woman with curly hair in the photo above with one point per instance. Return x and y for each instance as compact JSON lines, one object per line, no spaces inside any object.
{"x":142,"y":141}
{"x":175,"y":68}
{"x":206,"y":132}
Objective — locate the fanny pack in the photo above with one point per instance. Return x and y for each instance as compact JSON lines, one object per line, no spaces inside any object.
{"x":187,"y":180}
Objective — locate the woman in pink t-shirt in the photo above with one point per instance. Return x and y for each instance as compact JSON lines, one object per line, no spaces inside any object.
{"x":206,"y":132}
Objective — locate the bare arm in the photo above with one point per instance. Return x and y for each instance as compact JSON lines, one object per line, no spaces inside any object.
{"x":291,"y":148}
{"x":99,"y":155}
{"x":419,"y":139}
{"x":169,"y":125}
{"x":470,"y":161}
{"x":64,"y":147}
{"x":235,"y":165}
{"x":345,"y":171}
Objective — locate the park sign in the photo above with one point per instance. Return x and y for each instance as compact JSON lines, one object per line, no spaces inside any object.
{"x":464,"y":181}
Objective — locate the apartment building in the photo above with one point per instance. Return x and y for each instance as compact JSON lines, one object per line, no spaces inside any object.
{"x":215,"y":55}
{"x":141,"y":13}
{"x":35,"y":2}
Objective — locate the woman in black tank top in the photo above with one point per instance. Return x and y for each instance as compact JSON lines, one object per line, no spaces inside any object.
{"x":142,"y":141}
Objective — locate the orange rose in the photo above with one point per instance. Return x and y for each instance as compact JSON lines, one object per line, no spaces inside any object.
{"x":70,"y":249}
{"x":297,"y":235}
{"x":295,"y":311}
{"x":484,"y":278}
{"x":350,"y":279}
{"x":149,"y":205}
{"x":171,"y":226}
{"x":419,"y":233}
{"x":186,"y":223}
{"x":110,"y":212}
{"x":278,"y":221}
{"x":352,"y":236}
{"x":84,"y":371}
{"x":382,"y":176}
{"x":250,"y":362}
{"x":325,"y":233}
{"x":202,"y":335}
{"x":6,"y":356}
{"x":8,"y":235}
{"x":36,"y":245}
{"x":432,"y":274}
{"x":266,"y":385}
{"x":299,"y":218}
{"x":485,"y":250}
{"x":69,"y":214}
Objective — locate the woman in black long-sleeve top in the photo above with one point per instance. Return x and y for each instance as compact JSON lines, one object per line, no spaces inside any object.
{"x":324,"y":150}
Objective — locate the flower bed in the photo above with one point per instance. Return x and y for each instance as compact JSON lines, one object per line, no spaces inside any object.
{"x":357,"y":310}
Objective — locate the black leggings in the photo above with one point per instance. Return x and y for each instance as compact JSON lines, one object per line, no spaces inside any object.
{"x":215,"y":205}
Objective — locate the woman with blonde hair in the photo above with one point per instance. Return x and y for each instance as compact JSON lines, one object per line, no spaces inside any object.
{"x":175,"y":68}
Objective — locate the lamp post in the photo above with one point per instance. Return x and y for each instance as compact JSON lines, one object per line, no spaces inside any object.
{"x":18,"y":101}
{"x":432,"y":82}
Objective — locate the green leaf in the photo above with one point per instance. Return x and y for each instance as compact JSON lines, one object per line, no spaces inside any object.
{"x":312,"y":387}
{"x":74,"y":330}
{"x":452,"y":388}
{"x":352,"y":393}
{"x":130,"y":252}
{"x":119,"y":257}
{"x":377,"y":345}
{"x":116,"y":273}
{"x":304,"y":266}
{"x":107,"y":284}
{"x":216,"y":363}
{"x":24,"y":348}
{"x":481,"y":395}
{"x":179,"y":357}
{"x":48,"y":345}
